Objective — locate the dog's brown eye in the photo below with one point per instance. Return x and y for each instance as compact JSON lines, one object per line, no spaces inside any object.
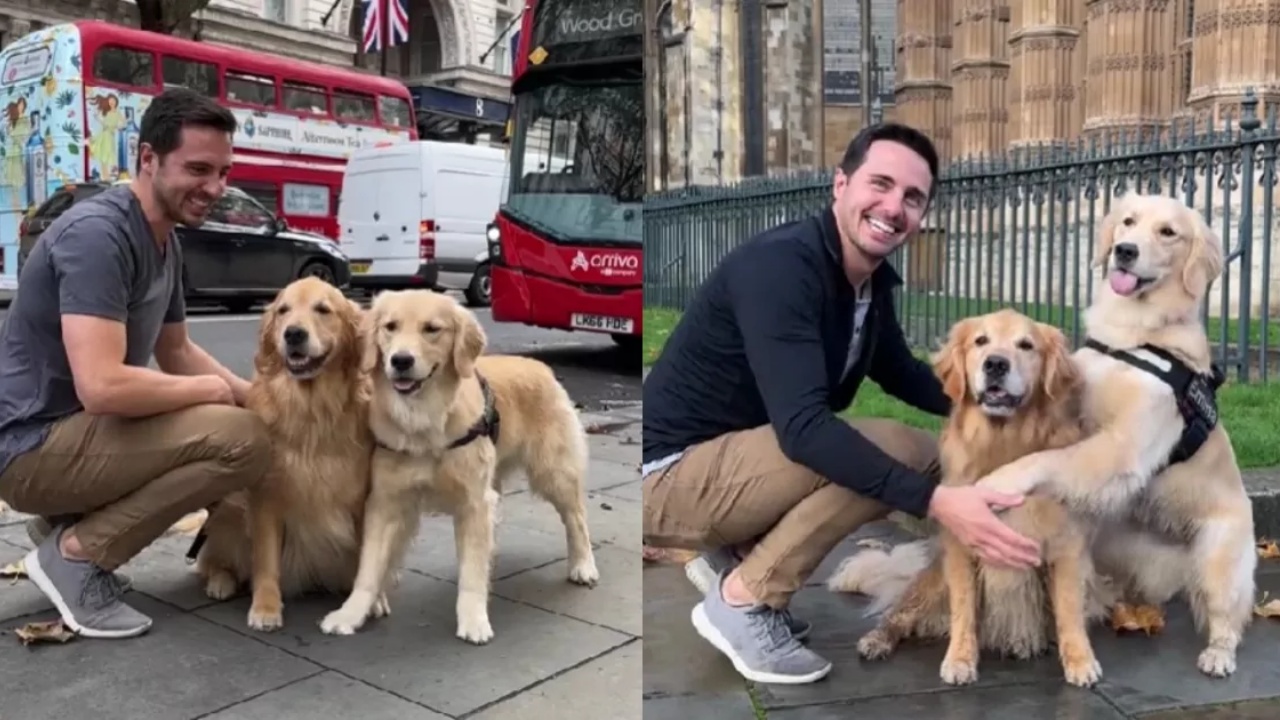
{"x":1128,"y":222}
{"x":430,"y":328}
{"x":323,"y":309}
{"x":1025,"y":345}
{"x":282,"y":309}
{"x":980,"y":340}
{"x":390,"y":326}
{"x":1167,"y":231}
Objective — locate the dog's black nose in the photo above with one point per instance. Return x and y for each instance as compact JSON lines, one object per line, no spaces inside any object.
{"x":1126,"y":253}
{"x":294,"y":335}
{"x":995,"y":366}
{"x":402,"y":361}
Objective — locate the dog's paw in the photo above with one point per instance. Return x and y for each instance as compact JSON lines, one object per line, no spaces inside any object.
{"x":266,"y":617}
{"x":584,"y":573}
{"x":220,"y":585}
{"x":959,"y":672}
{"x":1082,"y":672}
{"x":1217,"y":662}
{"x":875,"y":645}
{"x":381,"y":608}
{"x":342,"y":622}
{"x":475,"y":628}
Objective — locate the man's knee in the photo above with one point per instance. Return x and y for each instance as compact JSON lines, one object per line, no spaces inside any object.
{"x":239,"y":441}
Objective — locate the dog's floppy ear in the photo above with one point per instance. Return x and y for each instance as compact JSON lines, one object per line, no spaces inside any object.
{"x":468,"y":342}
{"x":351,"y":345}
{"x":1107,"y":232}
{"x":1059,"y":376}
{"x":369,"y":353}
{"x":948,"y":363}
{"x":267,"y":360}
{"x":1205,"y":258}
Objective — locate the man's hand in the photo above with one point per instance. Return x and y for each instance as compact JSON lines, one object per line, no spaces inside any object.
{"x":217,"y":390}
{"x":967,"y":513}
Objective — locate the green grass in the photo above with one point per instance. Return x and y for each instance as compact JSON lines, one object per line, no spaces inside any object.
{"x":1251,"y":413}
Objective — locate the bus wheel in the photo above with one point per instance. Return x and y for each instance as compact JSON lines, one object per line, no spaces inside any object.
{"x":479,"y":292}
{"x":629,"y":343}
{"x":317,"y":270}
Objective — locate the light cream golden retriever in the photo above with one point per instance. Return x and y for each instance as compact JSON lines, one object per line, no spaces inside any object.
{"x":1014,"y":390}
{"x":1171,"y":527}
{"x":423,"y":362}
{"x":302,"y":527}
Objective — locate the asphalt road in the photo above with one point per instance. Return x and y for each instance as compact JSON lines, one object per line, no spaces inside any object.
{"x":599,"y":375}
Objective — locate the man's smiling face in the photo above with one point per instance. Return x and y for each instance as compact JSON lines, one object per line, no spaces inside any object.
{"x":882,"y":204}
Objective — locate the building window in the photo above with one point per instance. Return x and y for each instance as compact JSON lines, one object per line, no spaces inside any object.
{"x":199,"y":76}
{"x":501,"y":50}
{"x":429,"y":50}
{"x":276,"y":10}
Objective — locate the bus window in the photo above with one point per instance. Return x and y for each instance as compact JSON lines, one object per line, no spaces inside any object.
{"x":394,"y":111}
{"x":124,"y":66}
{"x":305,"y":98}
{"x":251,"y":89}
{"x":354,"y":106}
{"x":306,"y":200}
{"x":199,"y":76}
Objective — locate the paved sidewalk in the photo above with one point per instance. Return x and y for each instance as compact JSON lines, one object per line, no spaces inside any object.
{"x":560,"y":651}
{"x":1148,"y":677}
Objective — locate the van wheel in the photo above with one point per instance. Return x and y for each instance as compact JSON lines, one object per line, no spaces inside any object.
{"x":479,"y":292}
{"x":317,"y":269}
{"x":629,"y":343}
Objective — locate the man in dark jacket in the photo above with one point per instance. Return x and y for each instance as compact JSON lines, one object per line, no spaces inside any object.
{"x":744,"y":455}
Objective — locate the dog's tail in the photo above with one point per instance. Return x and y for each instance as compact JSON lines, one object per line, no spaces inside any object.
{"x":882,"y":575}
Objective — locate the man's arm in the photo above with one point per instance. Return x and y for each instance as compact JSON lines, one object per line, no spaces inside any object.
{"x":177,"y":354}
{"x":777,"y":302}
{"x":93,"y":271}
{"x":900,"y":373}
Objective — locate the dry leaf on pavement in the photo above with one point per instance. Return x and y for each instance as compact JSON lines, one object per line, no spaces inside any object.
{"x":14,"y":570}
{"x":1267,"y":608}
{"x":1268,"y":550}
{"x":1137,"y":618}
{"x":51,"y":631}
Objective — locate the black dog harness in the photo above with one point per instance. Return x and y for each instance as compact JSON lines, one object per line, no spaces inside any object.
{"x":1196,"y":394}
{"x":486,"y":426}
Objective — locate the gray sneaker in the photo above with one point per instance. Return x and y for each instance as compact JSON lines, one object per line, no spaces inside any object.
{"x":38,"y":528}
{"x":87,"y":597}
{"x":757,"y":641}
{"x":703,"y":570}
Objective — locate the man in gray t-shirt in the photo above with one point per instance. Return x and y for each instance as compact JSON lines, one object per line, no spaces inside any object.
{"x":111,"y":451}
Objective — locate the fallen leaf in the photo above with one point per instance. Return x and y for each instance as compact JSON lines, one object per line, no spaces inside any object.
{"x":14,"y":570}
{"x":1267,"y":608}
{"x":51,"y":631}
{"x":1268,"y":550}
{"x":1137,"y":618}
{"x":874,"y":544}
{"x":190,"y":523}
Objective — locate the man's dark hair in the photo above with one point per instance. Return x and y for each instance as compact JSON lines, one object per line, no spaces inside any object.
{"x":174,"y":109}
{"x":917,"y":141}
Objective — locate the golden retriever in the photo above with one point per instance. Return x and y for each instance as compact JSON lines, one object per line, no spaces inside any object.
{"x":1014,"y":390}
{"x":299,"y":530}
{"x":424,"y":373}
{"x":1171,"y":526}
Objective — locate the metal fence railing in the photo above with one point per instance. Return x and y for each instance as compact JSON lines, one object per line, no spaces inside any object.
{"x":1018,"y":230}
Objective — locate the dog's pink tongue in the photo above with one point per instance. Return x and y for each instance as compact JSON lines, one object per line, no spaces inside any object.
{"x":1123,"y":283}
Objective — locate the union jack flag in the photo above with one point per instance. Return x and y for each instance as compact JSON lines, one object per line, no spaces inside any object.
{"x":386,"y":22}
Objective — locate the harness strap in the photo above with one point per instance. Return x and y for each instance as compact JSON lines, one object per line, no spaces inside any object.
{"x":1195,"y":393}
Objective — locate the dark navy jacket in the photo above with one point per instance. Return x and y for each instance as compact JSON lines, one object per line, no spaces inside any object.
{"x":766,"y":341}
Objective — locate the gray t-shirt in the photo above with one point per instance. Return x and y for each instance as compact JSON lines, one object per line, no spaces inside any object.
{"x":99,"y":258}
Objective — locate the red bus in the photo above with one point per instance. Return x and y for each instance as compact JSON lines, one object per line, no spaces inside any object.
{"x":566,"y":246}
{"x":73,"y":97}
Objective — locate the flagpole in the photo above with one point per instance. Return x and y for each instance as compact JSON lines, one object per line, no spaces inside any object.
{"x":386,"y":32}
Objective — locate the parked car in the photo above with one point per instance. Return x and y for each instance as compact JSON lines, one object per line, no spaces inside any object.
{"x":241,"y":255}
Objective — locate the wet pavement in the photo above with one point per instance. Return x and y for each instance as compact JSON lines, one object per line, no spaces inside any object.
{"x":1143,"y":677}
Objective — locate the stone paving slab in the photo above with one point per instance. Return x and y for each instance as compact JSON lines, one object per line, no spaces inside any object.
{"x":1143,"y":676}
{"x":560,"y":650}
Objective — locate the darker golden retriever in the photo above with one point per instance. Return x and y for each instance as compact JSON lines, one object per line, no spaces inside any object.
{"x":1015,"y":390}
{"x":302,"y":528}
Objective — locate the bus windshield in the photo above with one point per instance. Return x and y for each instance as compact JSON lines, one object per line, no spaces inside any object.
{"x":577,"y":160}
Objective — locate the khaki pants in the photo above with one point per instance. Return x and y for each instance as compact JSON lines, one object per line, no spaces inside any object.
{"x":130,"y":479}
{"x":739,"y":489}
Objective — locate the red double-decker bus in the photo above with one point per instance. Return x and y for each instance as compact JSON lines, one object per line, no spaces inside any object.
{"x":566,"y":246}
{"x":73,"y":96}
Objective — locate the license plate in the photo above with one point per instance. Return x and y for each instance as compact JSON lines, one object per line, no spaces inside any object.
{"x":359,"y":267}
{"x":601,"y":323}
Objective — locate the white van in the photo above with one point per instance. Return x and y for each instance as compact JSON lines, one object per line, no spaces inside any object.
{"x":414,"y":214}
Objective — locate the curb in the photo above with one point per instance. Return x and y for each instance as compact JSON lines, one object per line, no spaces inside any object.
{"x":1263,"y":486}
